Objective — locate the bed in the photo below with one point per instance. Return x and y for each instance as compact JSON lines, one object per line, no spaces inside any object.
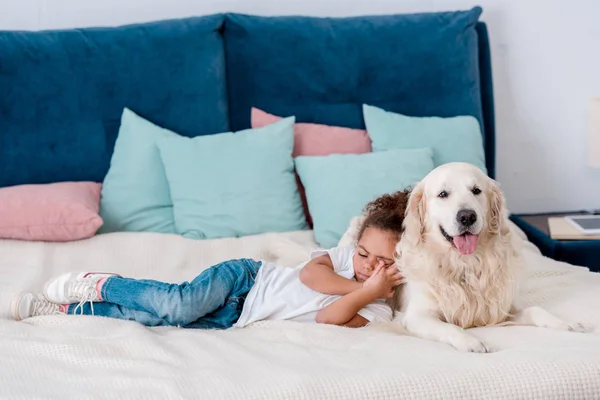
{"x":66,"y":91}
{"x":84,"y":357}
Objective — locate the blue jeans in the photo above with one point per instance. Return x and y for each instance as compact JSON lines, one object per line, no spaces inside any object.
{"x":213,"y":300}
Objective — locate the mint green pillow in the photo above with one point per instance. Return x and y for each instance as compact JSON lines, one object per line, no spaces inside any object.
{"x":451,"y":139}
{"x":339,"y":186}
{"x":234,"y":184}
{"x":135,"y":192}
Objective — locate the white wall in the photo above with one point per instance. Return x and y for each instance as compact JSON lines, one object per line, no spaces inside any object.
{"x":546,"y":64}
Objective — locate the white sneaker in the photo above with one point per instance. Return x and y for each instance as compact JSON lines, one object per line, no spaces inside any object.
{"x":28,"y":305}
{"x":75,"y":287}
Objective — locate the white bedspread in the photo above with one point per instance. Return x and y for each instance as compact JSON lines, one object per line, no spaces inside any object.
{"x":62,"y":357}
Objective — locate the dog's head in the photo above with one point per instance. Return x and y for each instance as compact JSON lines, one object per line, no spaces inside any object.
{"x":454,"y":206}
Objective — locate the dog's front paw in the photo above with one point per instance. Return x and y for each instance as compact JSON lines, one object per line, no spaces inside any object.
{"x":467,"y":343}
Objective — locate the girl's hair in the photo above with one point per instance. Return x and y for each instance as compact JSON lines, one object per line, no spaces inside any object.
{"x":386,"y":213}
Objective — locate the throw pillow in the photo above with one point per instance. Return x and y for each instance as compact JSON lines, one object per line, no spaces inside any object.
{"x":339,"y":186}
{"x":135,"y":192}
{"x":55,"y":212}
{"x":233,"y":184}
{"x":451,"y":139}
{"x":317,"y":140}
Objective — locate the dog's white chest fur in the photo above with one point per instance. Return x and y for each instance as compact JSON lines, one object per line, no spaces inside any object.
{"x":465,"y":291}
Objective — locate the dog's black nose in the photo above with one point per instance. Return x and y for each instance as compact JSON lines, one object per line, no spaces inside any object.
{"x":466,"y":217}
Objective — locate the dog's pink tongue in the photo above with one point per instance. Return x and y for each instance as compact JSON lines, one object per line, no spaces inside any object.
{"x":466,"y":243}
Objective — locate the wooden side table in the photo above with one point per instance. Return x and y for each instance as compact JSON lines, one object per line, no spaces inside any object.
{"x":540,"y":221}
{"x":584,"y":253}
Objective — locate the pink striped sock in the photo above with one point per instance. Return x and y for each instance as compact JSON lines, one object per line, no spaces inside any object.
{"x":64,"y":308}
{"x":99,"y":287}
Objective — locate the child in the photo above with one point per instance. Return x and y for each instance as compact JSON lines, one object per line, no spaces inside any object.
{"x":345,"y":285}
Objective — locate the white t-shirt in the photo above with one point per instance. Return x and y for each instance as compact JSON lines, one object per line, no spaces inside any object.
{"x":278,"y":293}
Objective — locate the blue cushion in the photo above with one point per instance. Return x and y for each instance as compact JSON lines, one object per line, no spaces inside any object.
{"x":63,"y":92}
{"x":135,"y":192}
{"x":339,"y":186}
{"x":451,"y":139}
{"x":234,"y":184}
{"x":323,"y":69}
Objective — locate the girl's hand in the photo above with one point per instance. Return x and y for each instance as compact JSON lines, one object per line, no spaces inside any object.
{"x":384,"y":280}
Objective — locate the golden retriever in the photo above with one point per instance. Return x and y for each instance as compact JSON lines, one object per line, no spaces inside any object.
{"x":460,"y":260}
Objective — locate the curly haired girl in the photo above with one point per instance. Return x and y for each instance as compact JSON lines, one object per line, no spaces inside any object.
{"x":346,"y":285}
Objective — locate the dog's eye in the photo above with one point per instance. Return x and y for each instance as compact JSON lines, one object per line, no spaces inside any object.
{"x":476,"y":191}
{"x":443,"y":194}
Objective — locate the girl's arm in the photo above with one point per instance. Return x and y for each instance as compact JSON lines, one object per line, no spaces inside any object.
{"x":319,"y":275}
{"x":344,"y":311}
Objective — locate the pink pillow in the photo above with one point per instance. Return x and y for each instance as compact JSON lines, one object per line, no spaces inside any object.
{"x":56,"y":212}
{"x":317,"y":140}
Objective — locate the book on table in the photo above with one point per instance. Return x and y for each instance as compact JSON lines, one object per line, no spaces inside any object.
{"x":575,"y":227}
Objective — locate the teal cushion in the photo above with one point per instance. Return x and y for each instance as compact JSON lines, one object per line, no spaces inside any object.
{"x":135,"y":192}
{"x":339,"y":186}
{"x":451,"y":139}
{"x":234,"y":184}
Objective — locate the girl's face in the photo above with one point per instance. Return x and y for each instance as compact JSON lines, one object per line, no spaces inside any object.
{"x":374,"y":246}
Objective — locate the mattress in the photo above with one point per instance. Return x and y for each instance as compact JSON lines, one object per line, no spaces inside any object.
{"x":85,"y":357}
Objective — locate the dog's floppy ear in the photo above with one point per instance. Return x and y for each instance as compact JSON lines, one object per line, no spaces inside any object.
{"x":497,"y":210}
{"x":414,"y":219}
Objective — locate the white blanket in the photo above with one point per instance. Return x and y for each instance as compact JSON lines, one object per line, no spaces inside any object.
{"x":60,"y":357}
